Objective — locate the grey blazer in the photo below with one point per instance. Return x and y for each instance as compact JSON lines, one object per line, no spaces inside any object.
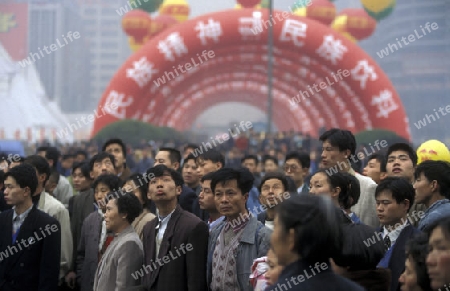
{"x":87,"y":253}
{"x":123,"y":257}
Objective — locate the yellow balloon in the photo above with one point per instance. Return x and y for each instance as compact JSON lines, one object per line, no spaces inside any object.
{"x":300,"y":12}
{"x":434,"y":150}
{"x":339,"y":23}
{"x":239,"y":6}
{"x":377,"y":5}
{"x":179,"y":9}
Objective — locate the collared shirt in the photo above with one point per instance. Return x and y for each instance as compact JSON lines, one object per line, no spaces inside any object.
{"x":18,"y":219}
{"x":103,"y":232}
{"x":299,"y":189}
{"x":161,"y":229}
{"x":213,"y":224}
{"x":393,"y":235}
{"x":237,"y":224}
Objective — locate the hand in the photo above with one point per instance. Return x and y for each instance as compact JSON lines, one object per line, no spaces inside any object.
{"x":70,"y":279}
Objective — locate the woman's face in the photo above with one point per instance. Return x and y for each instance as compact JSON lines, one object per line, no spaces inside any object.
{"x":319,"y":185}
{"x":438,"y":259}
{"x":283,"y":243}
{"x":408,"y":279}
{"x":274,"y":268}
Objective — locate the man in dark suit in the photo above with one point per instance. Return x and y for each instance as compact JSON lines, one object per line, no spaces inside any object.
{"x":174,"y":243}
{"x":394,"y":197}
{"x":171,"y":158}
{"x":297,"y":166}
{"x":30,"y":240}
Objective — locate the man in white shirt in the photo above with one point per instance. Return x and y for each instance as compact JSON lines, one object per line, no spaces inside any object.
{"x":338,"y":147}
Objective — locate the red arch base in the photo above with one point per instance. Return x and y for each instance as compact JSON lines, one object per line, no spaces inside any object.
{"x":222,"y":56}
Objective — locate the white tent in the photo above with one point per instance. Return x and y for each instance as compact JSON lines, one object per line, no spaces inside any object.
{"x":27,"y":113}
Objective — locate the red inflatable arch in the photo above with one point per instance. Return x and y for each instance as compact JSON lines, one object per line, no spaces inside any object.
{"x":320,"y":77}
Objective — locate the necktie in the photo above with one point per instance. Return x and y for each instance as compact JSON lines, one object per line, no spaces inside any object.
{"x":387,"y":242}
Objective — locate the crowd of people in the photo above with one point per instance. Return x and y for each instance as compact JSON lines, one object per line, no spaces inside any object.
{"x":256,"y":216}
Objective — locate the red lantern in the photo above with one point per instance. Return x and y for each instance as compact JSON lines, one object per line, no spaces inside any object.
{"x":355,"y":21}
{"x":248,"y":3}
{"x":319,"y":10}
{"x":136,"y":24}
{"x":161,"y":22}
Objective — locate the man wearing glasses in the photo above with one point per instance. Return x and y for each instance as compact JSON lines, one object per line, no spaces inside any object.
{"x":297,"y":166}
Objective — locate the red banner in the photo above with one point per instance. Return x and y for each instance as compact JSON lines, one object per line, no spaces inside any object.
{"x":14,"y":29}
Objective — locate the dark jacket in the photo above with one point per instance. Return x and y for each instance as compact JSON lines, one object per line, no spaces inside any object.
{"x":81,"y":206}
{"x":187,"y":198}
{"x":25,"y":265}
{"x":373,"y":280}
{"x":185,"y":271}
{"x":398,"y":257}
{"x":87,"y":253}
{"x":298,"y":276}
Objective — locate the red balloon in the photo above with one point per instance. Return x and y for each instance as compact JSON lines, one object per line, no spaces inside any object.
{"x":359,"y":23}
{"x":161,"y":22}
{"x":136,"y":24}
{"x":248,"y":3}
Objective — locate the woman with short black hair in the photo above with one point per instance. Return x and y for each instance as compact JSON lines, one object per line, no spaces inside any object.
{"x":307,"y":233}
{"x":125,"y":255}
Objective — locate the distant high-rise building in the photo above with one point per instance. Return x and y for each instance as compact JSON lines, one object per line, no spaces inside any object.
{"x":56,"y":44}
{"x":108,"y":46}
{"x":419,"y":64}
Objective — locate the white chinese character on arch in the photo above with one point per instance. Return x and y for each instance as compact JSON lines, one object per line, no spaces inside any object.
{"x":119,"y":110}
{"x":332,"y":49}
{"x":250,"y":26}
{"x":172,"y":46}
{"x":295,"y":31}
{"x":362,"y":72}
{"x":142,"y":72}
{"x":212,"y":30}
{"x":385,"y":103}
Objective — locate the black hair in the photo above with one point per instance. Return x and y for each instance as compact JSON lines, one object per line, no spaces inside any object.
{"x":250,"y":157}
{"x":417,"y":251}
{"x":275,"y":175}
{"x":40,"y":164}
{"x":82,"y":152}
{"x":189,"y":157}
{"x":436,"y":170}
{"x":41,"y":149}
{"x":66,"y":157}
{"x":99,"y":158}
{"x":55,"y":176}
{"x":52,"y":154}
{"x":115,"y":141}
{"x":270,"y":158}
{"x":162,"y":170}
{"x":361,"y":250}
{"x":303,"y":158}
{"x":349,"y":185}
{"x":380,"y":157}
{"x":242,"y":176}
{"x":141,"y":184}
{"x":214,"y":156}
{"x":190,"y":146}
{"x":174,"y":154}
{"x":2,"y":177}
{"x":127,"y":203}
{"x":112,"y":181}
{"x":316,"y":223}
{"x":25,"y":176}
{"x":292,"y":188}
{"x":343,"y":139}
{"x":401,"y":146}
{"x":400,"y":188}
{"x":84,"y":168}
{"x":207,"y":177}
{"x":443,"y":223}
